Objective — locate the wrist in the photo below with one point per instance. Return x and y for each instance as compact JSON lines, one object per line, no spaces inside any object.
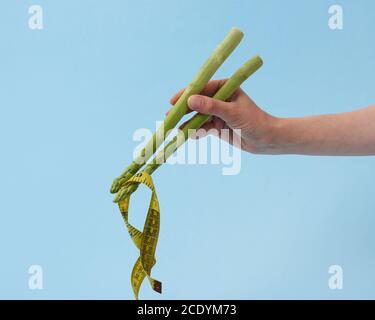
{"x":275,"y":138}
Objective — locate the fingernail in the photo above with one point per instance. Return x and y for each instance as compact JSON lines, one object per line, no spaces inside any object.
{"x":196,"y":103}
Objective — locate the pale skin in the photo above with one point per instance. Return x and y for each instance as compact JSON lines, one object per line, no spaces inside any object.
{"x":343,"y":134}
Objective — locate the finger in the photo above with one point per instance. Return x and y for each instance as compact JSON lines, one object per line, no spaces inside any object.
{"x":233,"y":137}
{"x":212,"y":87}
{"x":209,"y":90}
{"x":203,"y":131}
{"x":176,"y":97}
{"x":226,"y":134}
{"x":218,"y":123}
{"x":206,"y":105}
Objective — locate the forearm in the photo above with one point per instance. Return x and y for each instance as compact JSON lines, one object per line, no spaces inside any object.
{"x":350,"y":134}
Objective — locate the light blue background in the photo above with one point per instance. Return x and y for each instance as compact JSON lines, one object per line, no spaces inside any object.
{"x":71,"y":97}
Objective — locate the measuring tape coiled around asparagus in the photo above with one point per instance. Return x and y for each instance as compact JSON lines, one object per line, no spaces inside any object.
{"x":145,"y":241}
{"x":129,"y":181}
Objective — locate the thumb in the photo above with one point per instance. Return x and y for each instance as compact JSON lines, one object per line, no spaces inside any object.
{"x":207,"y":105}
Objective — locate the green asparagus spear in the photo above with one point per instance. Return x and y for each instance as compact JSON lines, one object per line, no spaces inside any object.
{"x":213,"y":63}
{"x":225,"y":92}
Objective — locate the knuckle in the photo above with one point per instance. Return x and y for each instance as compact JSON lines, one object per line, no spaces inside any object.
{"x":208,"y":104}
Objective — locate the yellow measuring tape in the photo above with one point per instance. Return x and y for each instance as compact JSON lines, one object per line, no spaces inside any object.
{"x":147,"y":240}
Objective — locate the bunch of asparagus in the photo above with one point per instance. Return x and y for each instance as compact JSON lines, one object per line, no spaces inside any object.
{"x":217,"y":58}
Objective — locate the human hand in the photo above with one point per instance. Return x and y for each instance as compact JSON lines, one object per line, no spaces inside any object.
{"x":254,"y":125}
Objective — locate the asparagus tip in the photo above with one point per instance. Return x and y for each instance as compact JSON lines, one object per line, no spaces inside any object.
{"x":115,"y":185}
{"x":236,"y":29}
{"x":119,"y":182}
